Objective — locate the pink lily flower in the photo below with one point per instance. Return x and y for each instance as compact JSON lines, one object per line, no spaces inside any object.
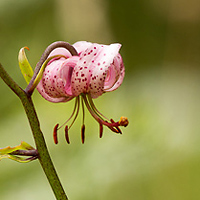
{"x":97,"y":69}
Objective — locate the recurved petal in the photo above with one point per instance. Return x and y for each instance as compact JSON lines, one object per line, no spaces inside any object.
{"x":65,"y":73}
{"x":55,"y":85}
{"x":101,"y":70}
{"x":90,"y":72}
{"x":81,"y":46}
{"x":41,"y":90}
{"x":115,"y":74}
{"x":60,"y":51}
{"x":82,"y":71}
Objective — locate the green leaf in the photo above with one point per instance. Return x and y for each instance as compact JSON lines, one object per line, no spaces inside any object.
{"x":17,"y":158}
{"x":24,"y":65}
{"x":6,"y":152}
{"x":22,"y":146}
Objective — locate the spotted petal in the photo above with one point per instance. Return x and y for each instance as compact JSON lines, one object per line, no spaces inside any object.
{"x":81,"y":46}
{"x":115,"y":75}
{"x":55,"y":85}
{"x":91,"y":69}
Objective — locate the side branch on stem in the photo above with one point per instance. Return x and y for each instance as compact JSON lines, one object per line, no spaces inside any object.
{"x":25,"y":153}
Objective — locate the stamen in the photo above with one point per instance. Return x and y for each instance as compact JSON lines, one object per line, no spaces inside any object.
{"x":95,"y":108}
{"x":82,"y":102}
{"x":100,"y":130}
{"x":67,"y":135}
{"x":118,"y":129}
{"x":116,"y":126}
{"x":77,"y":111}
{"x":113,"y":128}
{"x":91,"y":110}
{"x":113,"y":125}
{"x":55,"y":135}
{"x":83,"y":126}
{"x":75,"y":106}
{"x":83,"y":133}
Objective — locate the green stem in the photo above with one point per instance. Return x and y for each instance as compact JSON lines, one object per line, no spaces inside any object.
{"x":43,"y":154}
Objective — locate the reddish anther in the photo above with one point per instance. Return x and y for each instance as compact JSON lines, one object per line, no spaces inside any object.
{"x":67,"y":134}
{"x":83,"y":133}
{"x":100,"y":130}
{"x":55,"y":135}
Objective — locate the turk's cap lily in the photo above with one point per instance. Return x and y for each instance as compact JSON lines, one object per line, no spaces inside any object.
{"x":95,"y":70}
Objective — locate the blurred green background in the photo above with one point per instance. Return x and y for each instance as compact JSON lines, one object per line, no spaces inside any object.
{"x":158,"y":155}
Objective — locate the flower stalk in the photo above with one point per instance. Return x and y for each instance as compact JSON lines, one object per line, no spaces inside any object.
{"x":43,"y":154}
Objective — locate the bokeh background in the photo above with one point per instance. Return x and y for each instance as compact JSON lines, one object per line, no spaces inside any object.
{"x":158,"y":155}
